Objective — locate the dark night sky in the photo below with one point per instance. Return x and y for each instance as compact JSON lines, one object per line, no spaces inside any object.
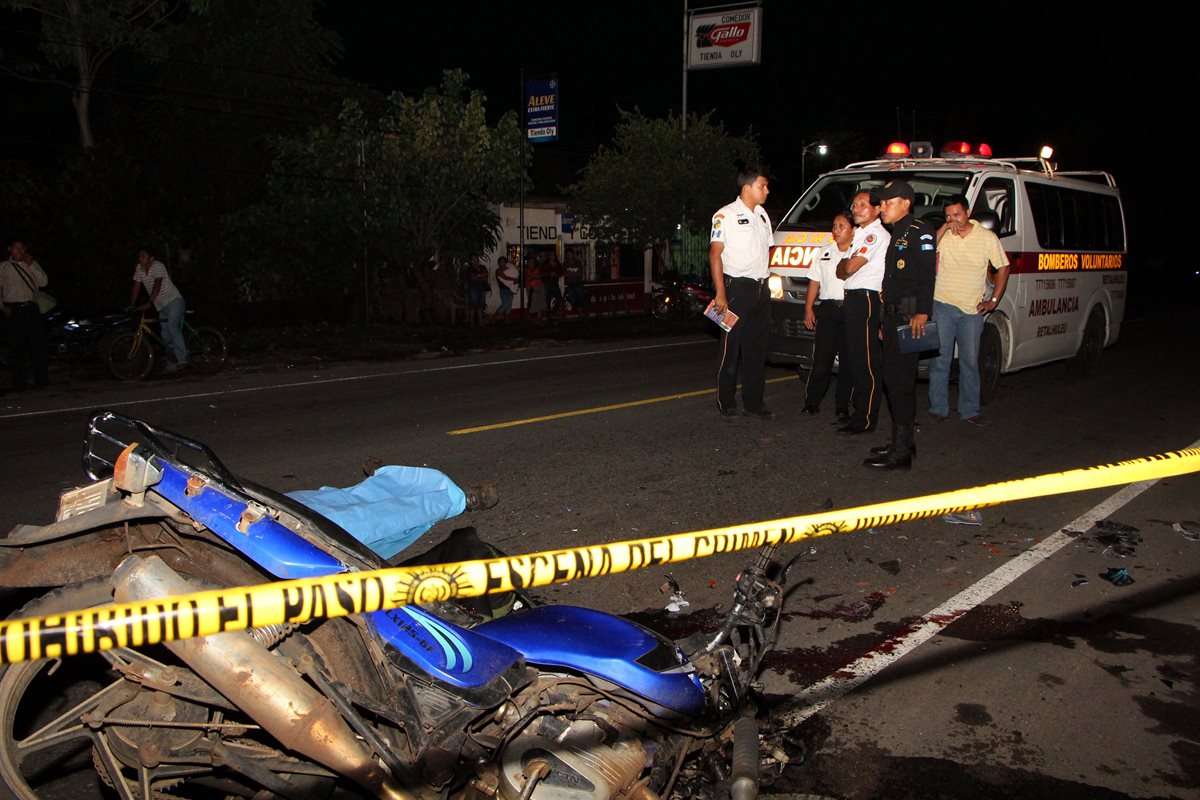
{"x":1094,"y":85}
{"x":1015,"y":81}
{"x":1104,"y":90}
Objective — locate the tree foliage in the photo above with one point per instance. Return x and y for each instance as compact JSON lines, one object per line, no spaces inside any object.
{"x":241,"y":75}
{"x":183,"y":145}
{"x":654,"y":177}
{"x":82,"y":35}
{"x":401,"y":194}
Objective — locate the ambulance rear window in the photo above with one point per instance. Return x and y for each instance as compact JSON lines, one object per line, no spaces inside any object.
{"x":833,"y":193}
{"x":1074,"y":219}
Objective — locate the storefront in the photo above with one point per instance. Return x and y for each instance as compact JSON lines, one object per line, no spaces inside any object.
{"x":616,"y":277}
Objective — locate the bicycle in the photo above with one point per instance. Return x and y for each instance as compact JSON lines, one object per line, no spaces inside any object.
{"x":132,"y":355}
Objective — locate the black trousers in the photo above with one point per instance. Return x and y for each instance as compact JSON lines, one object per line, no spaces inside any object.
{"x":899,"y":372}
{"x":553,"y":297}
{"x":861,"y":309}
{"x":830,"y":342}
{"x":26,"y":344}
{"x":746,"y":344}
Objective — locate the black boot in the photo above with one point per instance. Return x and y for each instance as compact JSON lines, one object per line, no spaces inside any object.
{"x":900,"y":455}
{"x":884,"y":449}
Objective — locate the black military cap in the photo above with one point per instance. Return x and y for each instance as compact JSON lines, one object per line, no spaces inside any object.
{"x":893,"y":188}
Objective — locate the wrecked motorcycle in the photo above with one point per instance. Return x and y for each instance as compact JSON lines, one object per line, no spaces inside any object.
{"x":547,"y":702}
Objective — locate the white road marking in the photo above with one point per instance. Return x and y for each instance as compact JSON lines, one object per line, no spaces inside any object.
{"x":348,"y":379}
{"x":819,"y":695}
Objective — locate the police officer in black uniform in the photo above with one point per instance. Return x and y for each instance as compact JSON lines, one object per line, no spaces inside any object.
{"x":907,"y":298}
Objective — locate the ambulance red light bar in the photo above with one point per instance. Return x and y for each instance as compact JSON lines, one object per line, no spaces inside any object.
{"x":952,"y":149}
{"x":896,"y":150}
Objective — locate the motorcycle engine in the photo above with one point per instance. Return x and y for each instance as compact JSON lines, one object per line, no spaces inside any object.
{"x":580,"y":762}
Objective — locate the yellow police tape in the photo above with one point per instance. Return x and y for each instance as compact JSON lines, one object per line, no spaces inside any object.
{"x":219,"y":610}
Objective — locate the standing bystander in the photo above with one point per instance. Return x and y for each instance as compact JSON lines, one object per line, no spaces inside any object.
{"x":965,"y":251}
{"x":907,"y":296}
{"x":507,"y":279}
{"x":738,"y":258}
{"x":478,"y":284}
{"x":823,"y":312}
{"x":533,"y":288}
{"x":552,"y":273}
{"x":573,"y":278}
{"x":863,"y":276}
{"x":20,"y":278}
{"x":151,"y":274}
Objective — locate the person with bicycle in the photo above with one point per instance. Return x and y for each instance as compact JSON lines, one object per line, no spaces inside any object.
{"x":151,"y":274}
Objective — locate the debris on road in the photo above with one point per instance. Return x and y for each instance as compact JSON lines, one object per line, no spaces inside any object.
{"x":1117,"y":576}
{"x":1189,"y":529}
{"x":677,"y":600}
{"x":1118,"y":539}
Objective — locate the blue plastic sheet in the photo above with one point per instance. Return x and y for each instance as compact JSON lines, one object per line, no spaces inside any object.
{"x":391,"y":509}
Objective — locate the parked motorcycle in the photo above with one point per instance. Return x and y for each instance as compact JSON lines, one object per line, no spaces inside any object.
{"x":81,"y":337}
{"x":546,"y":703}
{"x":681,"y":296}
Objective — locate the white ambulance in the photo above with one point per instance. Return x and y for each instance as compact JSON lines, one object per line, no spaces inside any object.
{"x":1064,"y":233}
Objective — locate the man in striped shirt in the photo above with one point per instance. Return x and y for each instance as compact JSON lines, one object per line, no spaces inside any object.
{"x":961,"y":298}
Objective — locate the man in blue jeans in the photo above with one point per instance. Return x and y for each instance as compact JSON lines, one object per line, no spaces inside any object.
{"x":961,"y":298}
{"x":150,"y":273}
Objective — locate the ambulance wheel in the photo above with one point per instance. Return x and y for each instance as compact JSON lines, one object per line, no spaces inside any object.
{"x":990,"y":356}
{"x":1087,"y":360}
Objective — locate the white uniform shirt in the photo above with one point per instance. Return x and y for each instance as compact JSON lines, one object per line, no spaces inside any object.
{"x":13,"y":288}
{"x":824,"y":272}
{"x":166,"y":292}
{"x":871,"y":242}
{"x":746,"y":235}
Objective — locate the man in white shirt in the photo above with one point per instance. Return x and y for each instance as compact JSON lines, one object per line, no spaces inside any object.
{"x":738,"y":257}
{"x":151,"y":274}
{"x":20,"y":279}
{"x":863,"y":274}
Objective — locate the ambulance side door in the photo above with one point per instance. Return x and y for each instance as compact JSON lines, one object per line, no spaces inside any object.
{"x":998,"y":205}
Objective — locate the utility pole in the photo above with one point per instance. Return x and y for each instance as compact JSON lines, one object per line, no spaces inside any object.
{"x":683,"y":105}
{"x":521,"y":215}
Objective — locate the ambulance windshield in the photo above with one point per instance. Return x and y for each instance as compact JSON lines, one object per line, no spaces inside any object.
{"x":833,"y":193}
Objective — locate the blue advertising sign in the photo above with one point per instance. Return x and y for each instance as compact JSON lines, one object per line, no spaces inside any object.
{"x":541,"y":109}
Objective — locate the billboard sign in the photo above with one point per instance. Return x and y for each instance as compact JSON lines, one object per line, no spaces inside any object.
{"x":541,"y":109}
{"x":729,"y":38}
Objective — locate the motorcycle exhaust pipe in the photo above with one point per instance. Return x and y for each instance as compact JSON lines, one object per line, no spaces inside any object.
{"x":261,"y":684}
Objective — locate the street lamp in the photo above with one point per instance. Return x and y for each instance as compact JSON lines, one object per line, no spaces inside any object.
{"x":820,"y":147}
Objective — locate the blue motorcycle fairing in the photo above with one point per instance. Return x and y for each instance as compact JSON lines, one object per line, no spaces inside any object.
{"x":448,"y":652}
{"x":458,"y":656}
{"x":603,"y":645}
{"x":266,"y":542}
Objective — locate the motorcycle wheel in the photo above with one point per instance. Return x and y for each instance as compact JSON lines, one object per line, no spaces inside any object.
{"x":62,"y":731}
{"x":129,"y":357}
{"x":206,"y":350}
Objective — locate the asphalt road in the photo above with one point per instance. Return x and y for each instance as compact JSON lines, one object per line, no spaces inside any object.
{"x":1053,"y":683}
